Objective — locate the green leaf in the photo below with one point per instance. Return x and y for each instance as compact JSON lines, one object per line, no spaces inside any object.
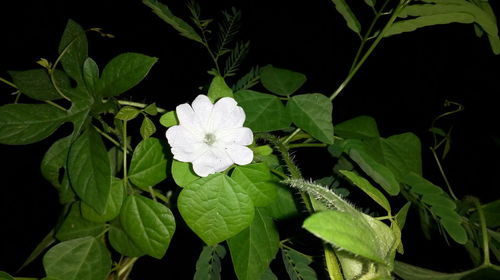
{"x":178,"y":24}
{"x":6,"y":276}
{"x":82,"y":258}
{"x":46,"y":242}
{"x":22,"y":124}
{"x":491,"y":214}
{"x":169,"y":119}
{"x":410,"y":272}
{"x":455,"y":230}
{"x":346,"y":231}
{"x":127,"y":113}
{"x":148,"y":128}
{"x":269,"y":275}
{"x":370,"y":3}
{"x":148,"y":165}
{"x":236,"y":56}
{"x":349,"y":17}
{"x":250,"y":79}
{"x":312,"y":113}
{"x":423,"y":21}
{"x":284,"y":206}
{"x":439,"y":199}
{"x":148,"y":223}
{"x":121,"y":242}
{"x":208,"y":265}
{"x":151,"y":109}
{"x":37,"y":84}
{"x":89,"y":169}
{"x":257,"y":181}
{"x":75,"y":226}
{"x":281,"y":81}
{"x":55,"y":159}
{"x":215,"y":208}
{"x":253,"y":249}
{"x":183,"y":173}
{"x":113,"y":205}
{"x":420,"y":185}
{"x":361,"y":127}
{"x":368,"y":188}
{"x":378,"y":172}
{"x":91,"y":75}
{"x":74,"y":50}
{"x":264,"y":112}
{"x":123,"y":73}
{"x":218,"y":89}
{"x":297,"y":265}
{"x":401,"y":215}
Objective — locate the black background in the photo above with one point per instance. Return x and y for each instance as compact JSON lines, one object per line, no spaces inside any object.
{"x":403,"y":85}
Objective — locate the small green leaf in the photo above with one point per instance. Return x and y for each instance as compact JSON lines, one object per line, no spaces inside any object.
{"x":46,"y":242}
{"x":6,"y":276}
{"x":281,"y":81}
{"x":423,"y":21}
{"x":491,"y":214}
{"x":183,"y":173}
{"x":264,"y":112}
{"x":439,"y":199}
{"x":218,"y":89}
{"x":148,"y":128}
{"x":361,"y":127}
{"x":208,"y":265}
{"x":180,"y":25}
{"x":148,"y":165}
{"x":89,"y":169}
{"x":91,"y":75}
{"x":37,"y":84}
{"x":401,"y":215}
{"x":22,"y":124}
{"x":151,"y":109}
{"x":368,"y":188}
{"x":215,"y":208}
{"x":420,"y":185}
{"x":113,"y":205}
{"x":169,"y":119}
{"x":455,"y":230}
{"x":82,"y":258}
{"x":148,"y":223}
{"x":370,"y":3}
{"x":75,"y":226}
{"x":123,"y":73}
{"x":312,"y":113}
{"x":257,"y":181}
{"x":297,"y":265}
{"x":121,"y":242}
{"x":253,"y":249}
{"x":346,"y":12}
{"x":55,"y":159}
{"x":74,"y":50}
{"x":127,"y":113}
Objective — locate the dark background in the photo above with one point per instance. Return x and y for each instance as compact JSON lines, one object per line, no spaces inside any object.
{"x":403,"y":85}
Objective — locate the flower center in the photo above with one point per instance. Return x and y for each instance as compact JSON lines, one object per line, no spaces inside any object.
{"x":209,"y":139}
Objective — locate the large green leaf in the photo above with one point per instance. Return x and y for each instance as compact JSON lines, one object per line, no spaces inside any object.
{"x":149,"y":224}
{"x":89,"y":169}
{"x":349,"y":16}
{"x":75,"y":226}
{"x":284,"y":206}
{"x":37,"y":84}
{"x":218,"y":89}
{"x":91,"y":76}
{"x":180,"y":25}
{"x":253,"y":249}
{"x":257,"y":181}
{"x":208,"y":266}
{"x":148,"y":166}
{"x":411,"y":272}
{"x":281,"y":81}
{"x":361,"y":127}
{"x":215,"y":208}
{"x":74,"y":50}
{"x":264,"y":112}
{"x":368,"y":188}
{"x":76,"y":259}
{"x":121,"y":242}
{"x":297,"y":265}
{"x":124,"y":72}
{"x":54,"y":160}
{"x":28,"y":123}
{"x":113,"y":205}
{"x":423,"y":21}
{"x":313,"y":113}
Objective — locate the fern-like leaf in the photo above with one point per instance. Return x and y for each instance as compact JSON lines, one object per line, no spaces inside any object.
{"x":297,"y":265}
{"x":228,"y":29}
{"x":208,"y":265}
{"x":249,"y":80}
{"x":235,"y":58}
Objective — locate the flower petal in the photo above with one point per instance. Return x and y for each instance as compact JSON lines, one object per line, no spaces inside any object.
{"x":202,"y":107}
{"x":212,"y":161}
{"x":187,"y":118}
{"x":239,"y":136}
{"x":226,"y":114}
{"x":185,"y":146}
{"x":241,"y":155}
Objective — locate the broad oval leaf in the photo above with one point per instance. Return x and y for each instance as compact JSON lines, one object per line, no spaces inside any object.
{"x":54,"y":159}
{"x":281,"y":81}
{"x":361,"y":127}
{"x":215,"y":208}
{"x":113,"y":205}
{"x":149,"y":224}
{"x":346,"y":12}
{"x":127,"y":113}
{"x":91,"y":75}
{"x":148,"y":165}
{"x":148,"y":128}
{"x":183,"y":173}
{"x":257,"y":181}
{"x":74,"y":50}
{"x":38,"y":85}
{"x":218,"y":89}
{"x":253,"y":249}
{"x":264,"y":112}
{"x":76,"y":259}
{"x":75,"y":226}
{"x":423,"y":21}
{"x":89,"y":169}
{"x":124,"y":72}
{"x":121,"y":242}
{"x":169,"y":119}
{"x":22,"y":124}
{"x":455,"y":230}
{"x":313,"y":113}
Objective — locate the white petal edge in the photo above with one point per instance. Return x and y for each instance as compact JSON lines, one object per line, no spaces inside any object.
{"x":212,"y":161}
{"x":241,"y":155}
{"x":202,"y":107}
{"x":221,"y":113}
{"x":239,"y":136}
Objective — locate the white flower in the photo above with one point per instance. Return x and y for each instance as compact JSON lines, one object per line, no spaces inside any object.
{"x":211,"y":136}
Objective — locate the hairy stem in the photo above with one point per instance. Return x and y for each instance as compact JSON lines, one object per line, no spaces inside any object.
{"x":139,"y":105}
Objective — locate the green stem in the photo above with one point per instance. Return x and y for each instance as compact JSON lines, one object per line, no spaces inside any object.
{"x":332,"y":264}
{"x":484,"y":232}
{"x":301,"y":145}
{"x":105,"y":135}
{"x":7,"y":82}
{"x":55,"y":105}
{"x":125,"y":269}
{"x":124,"y":140}
{"x":440,"y":167}
{"x":139,"y":105}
